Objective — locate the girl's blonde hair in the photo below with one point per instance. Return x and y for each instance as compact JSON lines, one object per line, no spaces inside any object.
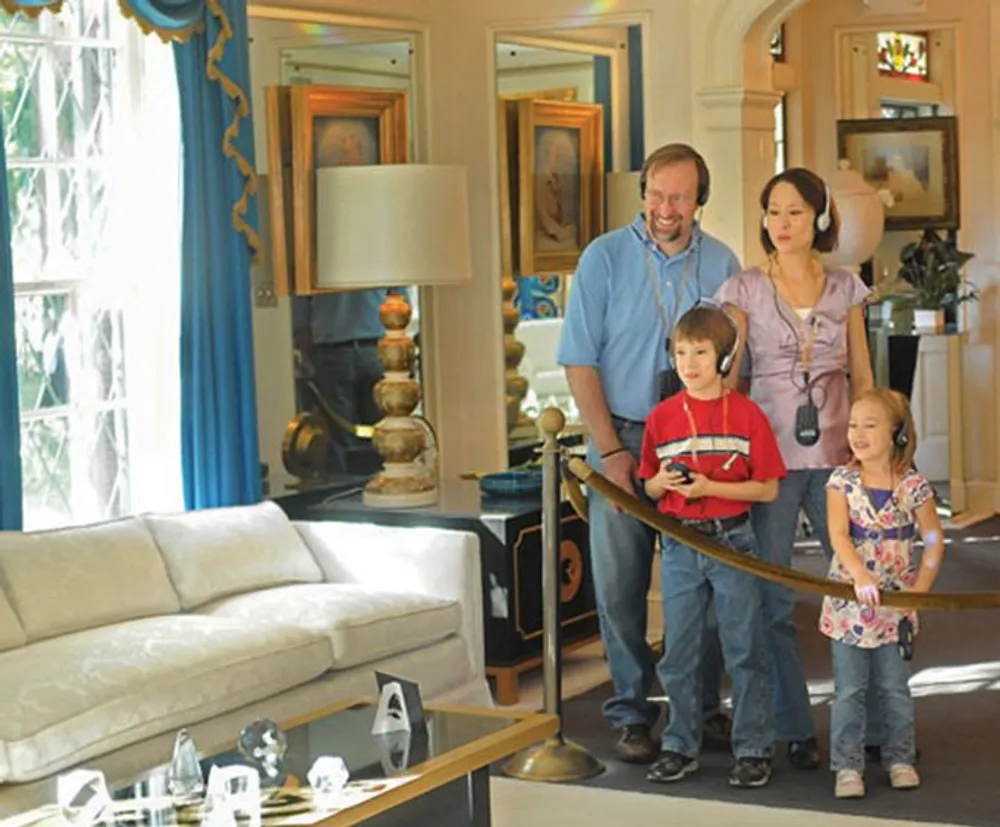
{"x":897,"y":408}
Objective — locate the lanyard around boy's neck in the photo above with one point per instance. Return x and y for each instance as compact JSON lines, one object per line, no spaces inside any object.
{"x":694,"y":430}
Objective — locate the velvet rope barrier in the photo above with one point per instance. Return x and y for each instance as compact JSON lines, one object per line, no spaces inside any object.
{"x":579,"y":472}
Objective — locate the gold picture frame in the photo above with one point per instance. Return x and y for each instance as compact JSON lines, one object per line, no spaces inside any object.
{"x":311,"y":127}
{"x":560,"y":182}
{"x":507,"y":144}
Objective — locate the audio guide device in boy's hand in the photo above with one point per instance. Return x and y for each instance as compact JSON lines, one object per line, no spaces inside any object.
{"x":681,"y":468}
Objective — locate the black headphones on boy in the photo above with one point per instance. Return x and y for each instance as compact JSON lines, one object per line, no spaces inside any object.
{"x":724,"y":364}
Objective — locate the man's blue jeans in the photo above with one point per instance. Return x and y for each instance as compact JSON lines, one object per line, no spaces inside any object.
{"x":693,"y":582}
{"x":621,"y":555}
{"x":856,"y":672}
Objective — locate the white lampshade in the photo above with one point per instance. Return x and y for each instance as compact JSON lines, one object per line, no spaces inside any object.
{"x":623,"y":199}
{"x":394,"y":224}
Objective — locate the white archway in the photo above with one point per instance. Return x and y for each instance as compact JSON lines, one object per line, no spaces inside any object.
{"x":739,"y":32}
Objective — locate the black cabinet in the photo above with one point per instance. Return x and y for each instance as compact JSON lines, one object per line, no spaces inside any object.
{"x":510,"y":541}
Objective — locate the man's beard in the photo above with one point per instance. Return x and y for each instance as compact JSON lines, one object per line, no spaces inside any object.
{"x":666,"y":236}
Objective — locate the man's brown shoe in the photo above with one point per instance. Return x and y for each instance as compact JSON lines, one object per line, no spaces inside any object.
{"x":634,"y":746}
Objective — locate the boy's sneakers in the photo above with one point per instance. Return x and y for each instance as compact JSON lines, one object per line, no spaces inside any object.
{"x":849,"y":784}
{"x":750,"y":772}
{"x":671,"y":766}
{"x":903,"y":777}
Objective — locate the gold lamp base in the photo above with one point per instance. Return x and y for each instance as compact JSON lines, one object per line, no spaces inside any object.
{"x":556,"y":760}
{"x":405,"y":442}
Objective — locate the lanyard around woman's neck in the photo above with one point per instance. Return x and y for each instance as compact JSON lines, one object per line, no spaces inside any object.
{"x":805,"y":335}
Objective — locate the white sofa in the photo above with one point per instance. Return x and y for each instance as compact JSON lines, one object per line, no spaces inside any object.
{"x":114,"y":636}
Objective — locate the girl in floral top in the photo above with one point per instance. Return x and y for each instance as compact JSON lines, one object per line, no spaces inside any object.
{"x":875,"y":505}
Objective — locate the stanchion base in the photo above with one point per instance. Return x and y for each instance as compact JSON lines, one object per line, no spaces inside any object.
{"x":554,"y":760}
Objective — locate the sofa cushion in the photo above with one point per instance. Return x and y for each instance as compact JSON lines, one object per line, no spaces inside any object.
{"x":76,"y":578}
{"x":65,"y":700}
{"x":11,"y":633}
{"x":362,"y":624}
{"x":222,"y":551}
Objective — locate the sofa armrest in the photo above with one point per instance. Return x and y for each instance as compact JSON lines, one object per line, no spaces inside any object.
{"x":432,"y":561}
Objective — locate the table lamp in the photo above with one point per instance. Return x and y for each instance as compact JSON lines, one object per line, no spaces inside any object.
{"x":394,"y":225}
{"x":621,"y":194}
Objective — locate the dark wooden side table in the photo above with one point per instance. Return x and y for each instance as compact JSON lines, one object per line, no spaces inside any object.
{"x":510,"y":541}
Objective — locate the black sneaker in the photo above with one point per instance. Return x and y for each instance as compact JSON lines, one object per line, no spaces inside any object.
{"x":717,"y":731}
{"x":750,"y":772}
{"x":804,"y":755}
{"x":635,"y":746}
{"x":671,"y":766}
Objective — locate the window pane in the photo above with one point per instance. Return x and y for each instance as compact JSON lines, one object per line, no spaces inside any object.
{"x":42,"y":370}
{"x":45,"y":469}
{"x":19,"y":65}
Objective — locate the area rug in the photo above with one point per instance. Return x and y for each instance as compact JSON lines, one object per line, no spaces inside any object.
{"x":956,"y":682}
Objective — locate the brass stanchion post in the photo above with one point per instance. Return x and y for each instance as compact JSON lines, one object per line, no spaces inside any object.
{"x":556,"y":759}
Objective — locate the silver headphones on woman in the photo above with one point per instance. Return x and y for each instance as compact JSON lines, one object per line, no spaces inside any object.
{"x":823,"y":220}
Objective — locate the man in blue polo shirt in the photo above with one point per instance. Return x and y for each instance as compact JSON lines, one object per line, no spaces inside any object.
{"x":630,"y":287}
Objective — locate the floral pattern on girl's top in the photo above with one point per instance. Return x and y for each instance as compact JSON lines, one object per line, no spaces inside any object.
{"x":890,"y":560}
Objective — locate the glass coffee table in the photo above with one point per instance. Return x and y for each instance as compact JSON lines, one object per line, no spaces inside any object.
{"x":440,"y":779}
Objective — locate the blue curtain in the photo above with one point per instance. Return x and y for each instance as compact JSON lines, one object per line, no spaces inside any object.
{"x":218,"y":397}
{"x":11,"y":514}
{"x":602,"y":95}
{"x":636,"y":121}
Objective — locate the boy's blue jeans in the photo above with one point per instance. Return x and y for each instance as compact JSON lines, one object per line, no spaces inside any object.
{"x":854,"y":671}
{"x":692,"y":583}
{"x":621,"y":555}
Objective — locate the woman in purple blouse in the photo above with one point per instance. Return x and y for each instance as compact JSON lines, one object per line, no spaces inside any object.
{"x":803,"y":325}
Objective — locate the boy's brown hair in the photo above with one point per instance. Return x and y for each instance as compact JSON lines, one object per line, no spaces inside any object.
{"x":705,"y":323}
{"x":897,"y":408}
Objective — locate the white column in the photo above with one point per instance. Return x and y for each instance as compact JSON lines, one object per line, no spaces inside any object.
{"x":739,"y":124}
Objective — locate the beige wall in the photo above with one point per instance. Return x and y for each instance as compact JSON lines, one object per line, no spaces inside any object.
{"x":813,"y":34}
{"x":695,"y":63}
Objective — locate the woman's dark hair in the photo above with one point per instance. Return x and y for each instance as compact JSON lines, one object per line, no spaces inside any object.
{"x":814,"y":192}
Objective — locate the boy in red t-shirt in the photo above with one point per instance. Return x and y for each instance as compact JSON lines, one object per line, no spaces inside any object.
{"x":730,"y":459}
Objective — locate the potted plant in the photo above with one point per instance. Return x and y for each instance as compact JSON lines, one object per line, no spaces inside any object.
{"x":932,"y":267}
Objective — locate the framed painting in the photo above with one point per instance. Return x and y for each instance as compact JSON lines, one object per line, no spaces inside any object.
{"x":560,"y":183}
{"x":915,"y":159}
{"x":507,"y":143}
{"x":337,"y":126}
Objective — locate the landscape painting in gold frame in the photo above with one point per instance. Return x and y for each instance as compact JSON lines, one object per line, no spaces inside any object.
{"x":560,"y":182}
{"x":338,"y":126}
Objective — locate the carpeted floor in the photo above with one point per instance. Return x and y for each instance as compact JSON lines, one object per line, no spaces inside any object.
{"x":956,"y":682}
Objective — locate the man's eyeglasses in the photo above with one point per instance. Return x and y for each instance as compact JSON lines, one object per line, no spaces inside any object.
{"x":672,"y":200}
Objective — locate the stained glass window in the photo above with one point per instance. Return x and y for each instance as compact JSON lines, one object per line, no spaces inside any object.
{"x":902,"y":55}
